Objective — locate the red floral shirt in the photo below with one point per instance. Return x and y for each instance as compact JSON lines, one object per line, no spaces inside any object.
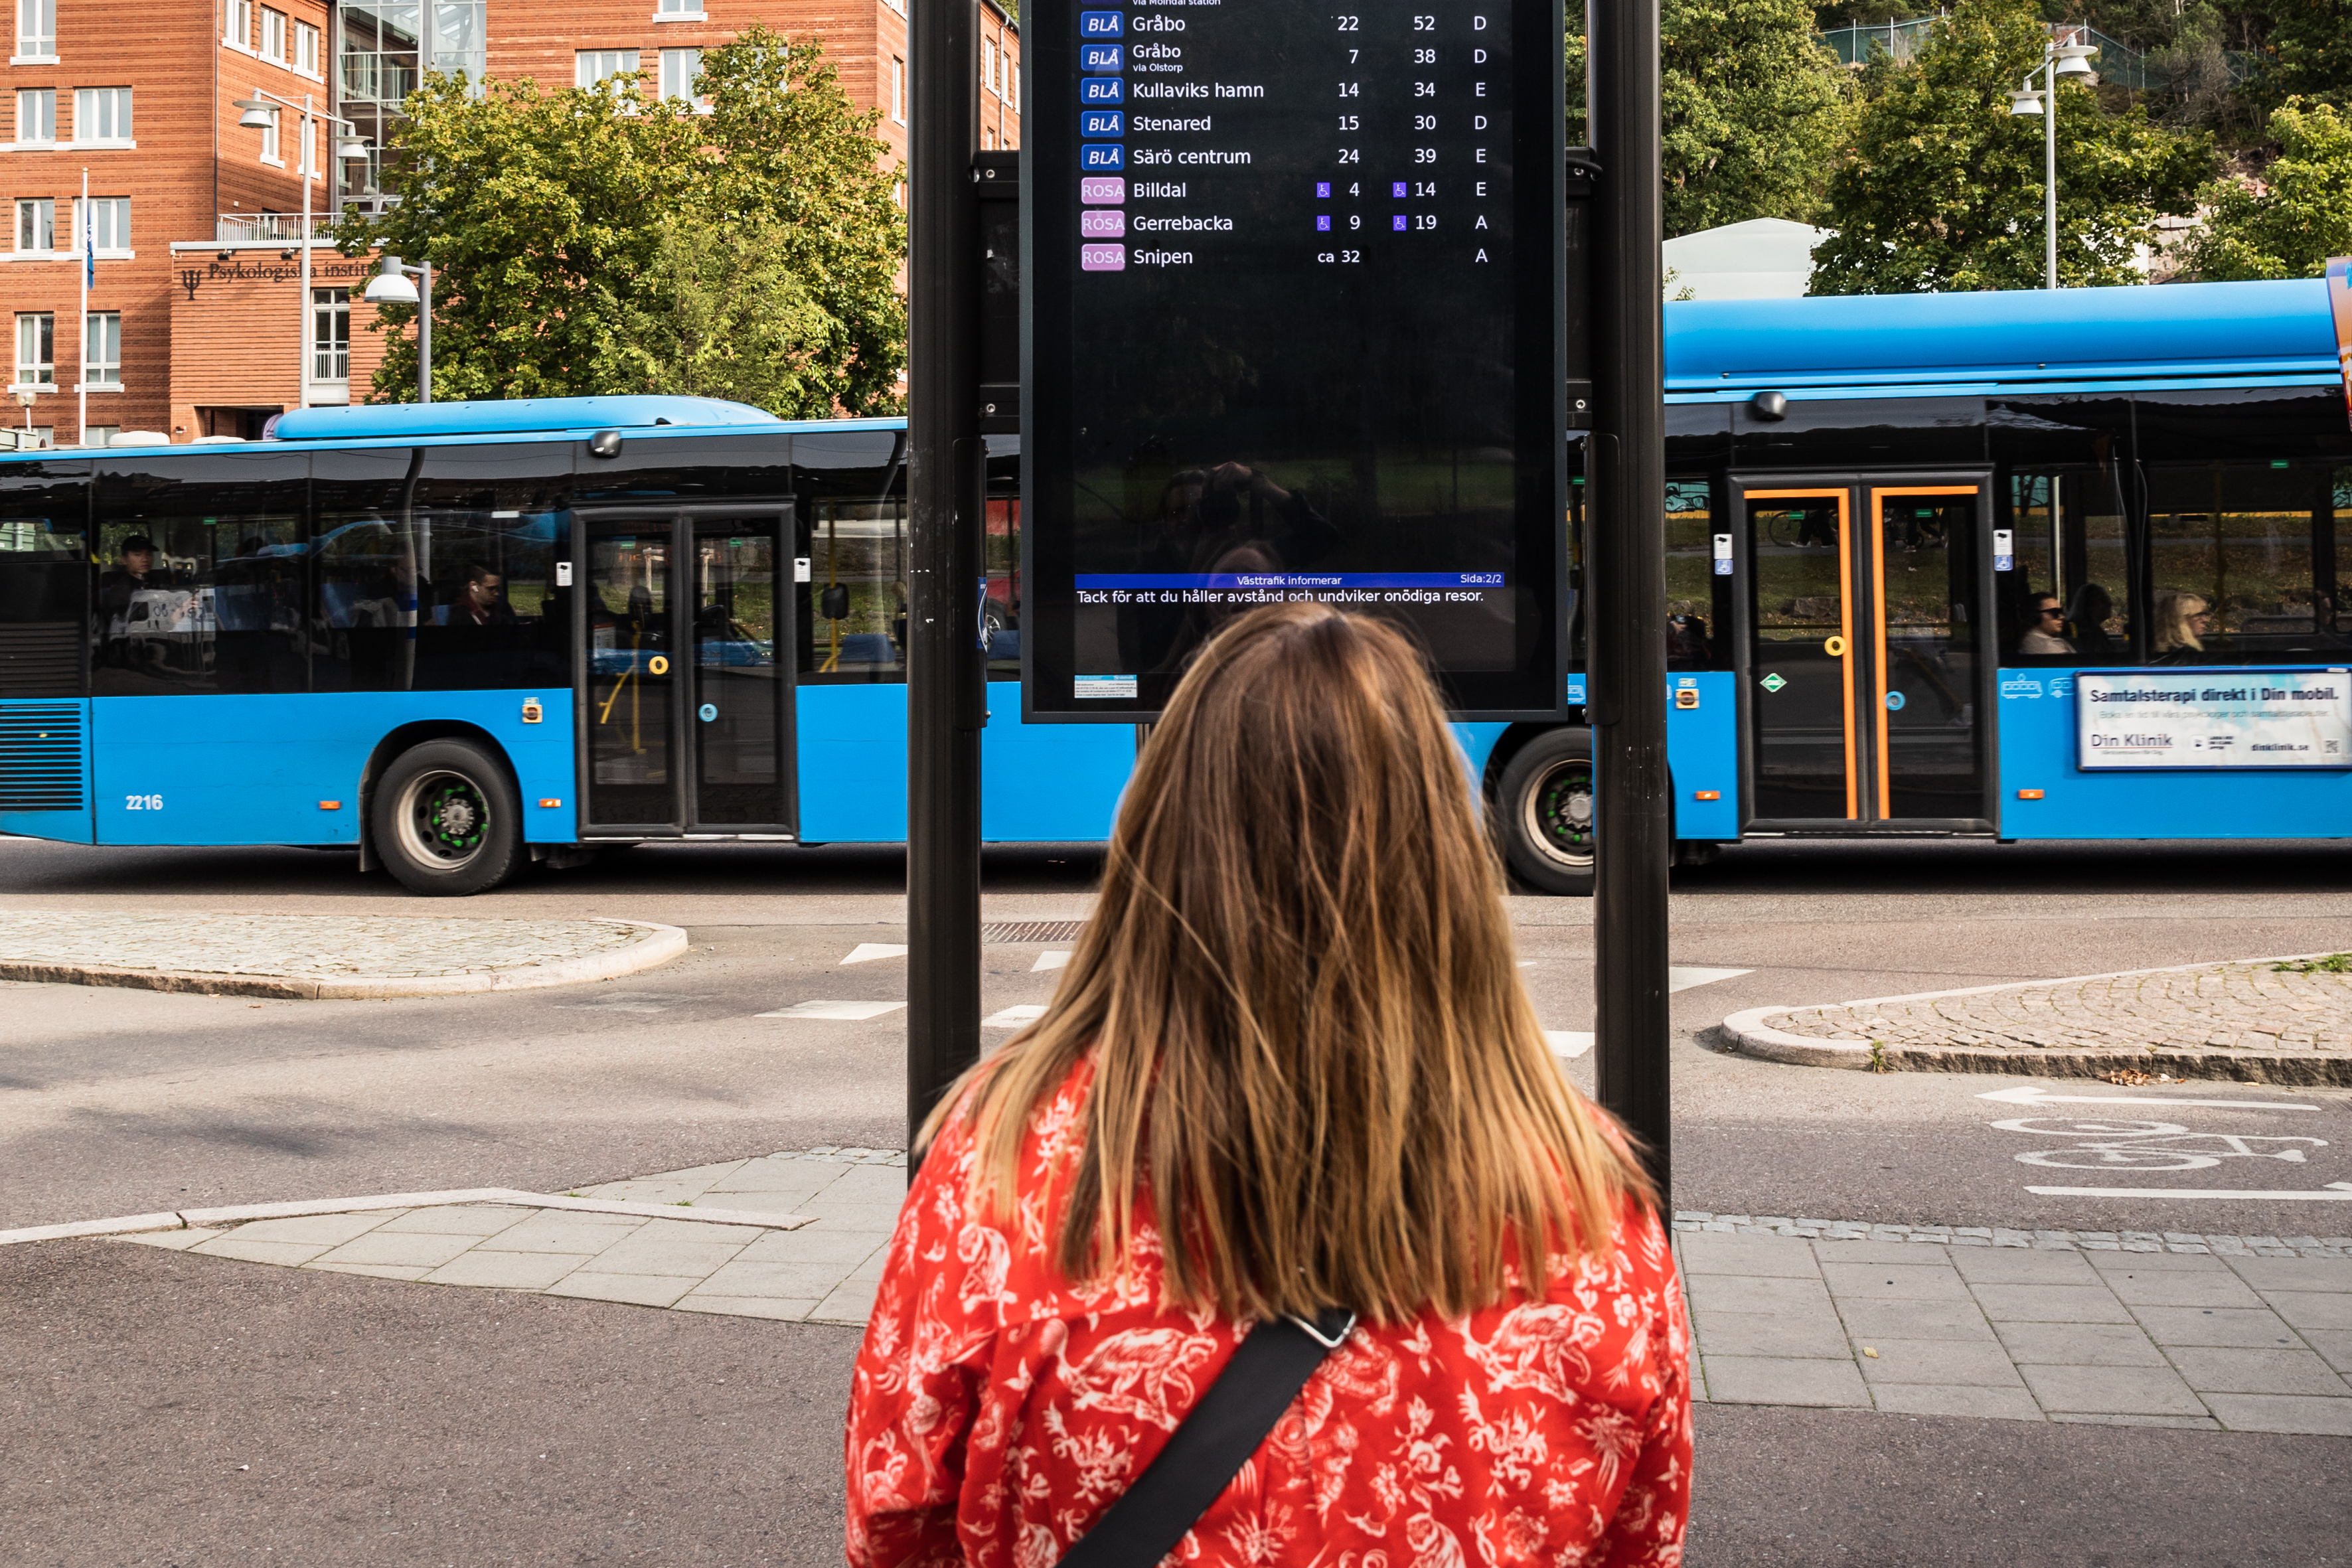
{"x":997,"y":1410}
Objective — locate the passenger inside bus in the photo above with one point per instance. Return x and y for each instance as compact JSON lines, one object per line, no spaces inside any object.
{"x":2086,"y":625}
{"x":2181,"y":624}
{"x":2044,"y":621}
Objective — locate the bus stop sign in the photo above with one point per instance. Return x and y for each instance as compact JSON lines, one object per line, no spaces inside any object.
{"x":1293,"y":326}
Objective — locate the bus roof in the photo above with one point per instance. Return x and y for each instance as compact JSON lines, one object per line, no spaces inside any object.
{"x":513,"y":416}
{"x":2015,"y":340}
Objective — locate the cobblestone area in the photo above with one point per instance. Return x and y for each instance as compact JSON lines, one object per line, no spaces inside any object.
{"x":314,"y":954}
{"x":1998,"y":1235}
{"x":825,"y":1271}
{"x":2257,"y":1006}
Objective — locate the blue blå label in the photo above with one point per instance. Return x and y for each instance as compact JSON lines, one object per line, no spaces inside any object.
{"x":1102,"y":90}
{"x":1102,"y":122}
{"x":1102,"y":155}
{"x":1102,"y":57}
{"x":1101,"y":23}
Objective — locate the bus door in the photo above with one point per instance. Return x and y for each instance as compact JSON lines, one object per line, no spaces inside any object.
{"x":1861,"y":685}
{"x":686,"y":711}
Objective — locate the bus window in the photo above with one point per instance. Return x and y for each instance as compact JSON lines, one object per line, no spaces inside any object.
{"x":2231,"y":567}
{"x":44,"y":578}
{"x":853,"y":509}
{"x":435,"y":568}
{"x":200,"y":577}
{"x":2069,"y":538}
{"x":1001,"y":614}
{"x":1697,"y":599}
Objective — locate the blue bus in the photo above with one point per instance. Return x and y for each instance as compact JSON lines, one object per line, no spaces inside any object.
{"x":1905,"y":536}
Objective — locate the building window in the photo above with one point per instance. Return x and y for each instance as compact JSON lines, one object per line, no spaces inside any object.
{"x":109,"y":222}
{"x":306,"y":49}
{"x":898,"y":90}
{"x":36,"y":29}
{"x":987,"y":66}
{"x":273,"y":33}
{"x":100,"y":435}
{"x":331,"y":334}
{"x":269,"y":153}
{"x":36,"y":226}
{"x":101,"y":351}
{"x":37,"y":114}
{"x":678,"y":69}
{"x":239,"y":28}
{"x":679,"y":9}
{"x":591,"y":67}
{"x":37,"y":348}
{"x":101,"y":114}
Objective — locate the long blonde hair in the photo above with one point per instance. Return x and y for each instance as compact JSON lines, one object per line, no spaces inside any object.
{"x":1310,"y":1045}
{"x":2175,"y":621}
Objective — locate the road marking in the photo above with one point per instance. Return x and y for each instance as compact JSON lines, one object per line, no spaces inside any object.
{"x":2333,"y":1193}
{"x":1567,"y":1042}
{"x":1050,"y":961}
{"x":868,"y":951}
{"x":2027,"y":1094}
{"x":1015,"y":1017}
{"x":1685,"y":979}
{"x":853,"y":1011}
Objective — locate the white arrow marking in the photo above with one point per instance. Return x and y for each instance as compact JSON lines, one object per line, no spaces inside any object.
{"x":853,"y":1012}
{"x":2335,"y":1192}
{"x":868,"y":951}
{"x":1050,"y":961}
{"x":1015,"y":1017}
{"x":1567,"y":1042}
{"x":1679,"y":979}
{"x":2027,"y":1094}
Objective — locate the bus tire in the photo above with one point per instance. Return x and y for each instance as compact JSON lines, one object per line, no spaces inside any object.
{"x":447,"y":819}
{"x":1543,"y":813}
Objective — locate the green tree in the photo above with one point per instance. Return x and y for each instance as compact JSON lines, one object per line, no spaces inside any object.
{"x":2302,"y":216}
{"x":724,"y":314}
{"x":556,"y":220}
{"x":1943,"y":190}
{"x":1754,"y":109}
{"x":2313,"y":39}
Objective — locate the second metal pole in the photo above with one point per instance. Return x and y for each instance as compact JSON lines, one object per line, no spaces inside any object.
{"x":1625,"y":468}
{"x":946,"y":671}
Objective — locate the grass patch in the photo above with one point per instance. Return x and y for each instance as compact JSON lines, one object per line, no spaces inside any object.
{"x":2333,"y":963}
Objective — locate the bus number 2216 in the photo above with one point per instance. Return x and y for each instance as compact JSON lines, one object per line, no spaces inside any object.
{"x":142,"y":803}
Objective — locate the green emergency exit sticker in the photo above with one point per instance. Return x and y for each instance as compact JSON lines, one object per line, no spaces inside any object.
{"x":1772,"y":682}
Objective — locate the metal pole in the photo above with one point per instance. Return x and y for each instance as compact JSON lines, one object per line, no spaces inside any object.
{"x":2049,"y":168}
{"x":424,"y":337}
{"x":302,"y":311}
{"x":1626,"y":469}
{"x":946,"y":691}
{"x":85,"y":258}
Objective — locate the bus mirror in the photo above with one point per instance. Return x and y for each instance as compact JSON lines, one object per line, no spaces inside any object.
{"x":605,"y":444}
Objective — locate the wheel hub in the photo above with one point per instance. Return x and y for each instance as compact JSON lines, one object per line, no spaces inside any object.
{"x":1561,"y":809}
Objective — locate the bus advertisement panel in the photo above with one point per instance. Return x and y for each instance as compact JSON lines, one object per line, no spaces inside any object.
{"x":2213,"y":719}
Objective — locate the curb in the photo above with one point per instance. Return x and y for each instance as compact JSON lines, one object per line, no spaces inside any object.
{"x":659,"y":944}
{"x":1747,"y":1033}
{"x":185,"y":1219}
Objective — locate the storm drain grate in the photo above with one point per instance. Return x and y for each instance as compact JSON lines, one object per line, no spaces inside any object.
{"x":1034,"y":930}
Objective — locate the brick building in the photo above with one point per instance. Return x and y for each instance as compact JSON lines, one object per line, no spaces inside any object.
{"x":197,"y":322}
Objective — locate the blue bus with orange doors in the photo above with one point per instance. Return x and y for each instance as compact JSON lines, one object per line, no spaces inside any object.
{"x":1910,"y":541}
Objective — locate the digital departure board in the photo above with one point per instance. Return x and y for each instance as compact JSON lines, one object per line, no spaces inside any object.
{"x":1293,"y":328}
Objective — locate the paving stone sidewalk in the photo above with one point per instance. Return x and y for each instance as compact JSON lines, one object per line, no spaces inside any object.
{"x":2262,"y":1021}
{"x":2125,"y":1338}
{"x":822,"y":1272}
{"x":313,"y":956}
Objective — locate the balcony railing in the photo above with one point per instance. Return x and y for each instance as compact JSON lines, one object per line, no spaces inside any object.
{"x":281,"y":226}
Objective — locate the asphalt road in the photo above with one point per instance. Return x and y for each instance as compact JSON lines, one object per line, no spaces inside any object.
{"x":382,"y":1422}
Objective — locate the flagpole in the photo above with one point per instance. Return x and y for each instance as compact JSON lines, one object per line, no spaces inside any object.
{"x":89,"y":265}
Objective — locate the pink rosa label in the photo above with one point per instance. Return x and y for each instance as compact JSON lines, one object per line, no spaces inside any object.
{"x":1102,"y":258}
{"x":1102,"y":223}
{"x":1093,"y":191}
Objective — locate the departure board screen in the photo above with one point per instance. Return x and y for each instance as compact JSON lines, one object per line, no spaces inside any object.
{"x":1293,"y":329}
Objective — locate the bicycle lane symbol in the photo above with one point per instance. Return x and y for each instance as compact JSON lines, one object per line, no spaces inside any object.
{"x":2135,"y":1145}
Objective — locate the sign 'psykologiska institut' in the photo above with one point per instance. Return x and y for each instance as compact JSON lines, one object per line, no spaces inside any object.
{"x":1294,"y":330}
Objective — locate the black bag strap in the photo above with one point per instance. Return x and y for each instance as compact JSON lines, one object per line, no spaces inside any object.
{"x":1213,"y":1443}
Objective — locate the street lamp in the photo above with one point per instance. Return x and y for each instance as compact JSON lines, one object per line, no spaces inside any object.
{"x":260,"y":113}
{"x":392,"y":287}
{"x":2057,"y":59}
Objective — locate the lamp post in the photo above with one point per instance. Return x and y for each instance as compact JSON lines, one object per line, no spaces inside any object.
{"x":260,"y":114}
{"x":2057,"y":59}
{"x":392,"y":287}
{"x":25,"y":396}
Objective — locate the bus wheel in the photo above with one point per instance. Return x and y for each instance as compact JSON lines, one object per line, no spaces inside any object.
{"x":1543,"y":808}
{"x":447,"y":819}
